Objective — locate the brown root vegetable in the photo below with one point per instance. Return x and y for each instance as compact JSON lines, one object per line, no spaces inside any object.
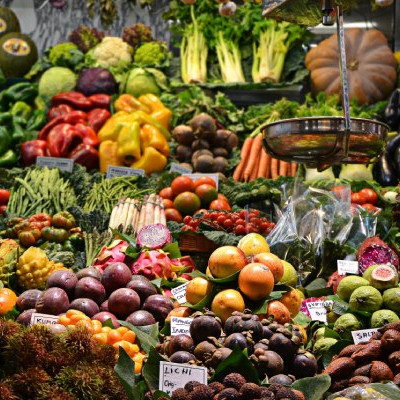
{"x":220,"y":164}
{"x":200,"y":144}
{"x":204,"y":163}
{"x":202,"y":152}
{"x":183,"y":134}
{"x":221,"y":138}
{"x":183,"y":153}
{"x":203,"y":126}
{"x":220,"y":152}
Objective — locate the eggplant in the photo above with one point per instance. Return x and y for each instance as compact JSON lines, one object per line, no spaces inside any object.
{"x":385,"y":174}
{"x":392,"y":145}
{"x":392,"y":111}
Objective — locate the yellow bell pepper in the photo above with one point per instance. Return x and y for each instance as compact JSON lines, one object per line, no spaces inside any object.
{"x":108,"y":155}
{"x":151,"y":161}
{"x":163,"y":116}
{"x":128,"y":103}
{"x":144,"y":118}
{"x":113,"y":126}
{"x":129,"y":143}
{"x":151,"y":136}
{"x":151,"y":101}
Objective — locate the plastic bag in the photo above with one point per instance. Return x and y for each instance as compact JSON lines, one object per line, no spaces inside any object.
{"x":374,"y":391}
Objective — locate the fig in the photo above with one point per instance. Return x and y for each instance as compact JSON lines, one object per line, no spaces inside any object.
{"x":90,"y":288}
{"x":237,"y":340}
{"x":204,"y":350}
{"x":115,"y":276}
{"x":63,"y":279}
{"x":89,"y":272}
{"x":104,"y":306}
{"x":182,"y":357}
{"x":204,"y":326}
{"x":383,"y":277}
{"x":123,"y":302}
{"x":281,"y":379}
{"x":159,"y":306}
{"x":141,"y":318}
{"x":179,"y":343}
{"x":183,"y":153}
{"x":87,"y":306}
{"x":304,"y":364}
{"x":142,"y":287}
{"x":52,"y":301}
{"x":283,"y":345}
{"x":183,"y":134}
{"x":25,"y":317}
{"x":104,"y":316}
{"x":27,"y":300}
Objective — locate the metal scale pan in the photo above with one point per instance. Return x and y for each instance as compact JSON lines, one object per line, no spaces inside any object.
{"x":322,"y":141}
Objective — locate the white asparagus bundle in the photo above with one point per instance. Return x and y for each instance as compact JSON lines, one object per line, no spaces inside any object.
{"x":157,"y":210}
{"x":142,"y":215}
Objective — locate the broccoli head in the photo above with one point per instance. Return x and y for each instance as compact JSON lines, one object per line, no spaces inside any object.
{"x":154,"y":53}
{"x":65,"y":55}
{"x":137,"y":34}
{"x":86,"y":38}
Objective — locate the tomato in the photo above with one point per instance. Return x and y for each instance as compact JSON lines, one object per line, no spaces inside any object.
{"x":171,"y":214}
{"x":182,"y":184}
{"x":358,"y":198}
{"x":166,"y":193}
{"x":204,"y":180}
{"x":187,"y":220}
{"x":4,"y":196}
{"x":167,"y":203}
{"x":220,"y":205}
{"x":207,"y":194}
{"x":370,"y":195}
{"x":369,"y":207}
{"x":240,"y":230}
{"x":221,"y":219}
{"x":222,"y":197}
{"x":228,"y":223}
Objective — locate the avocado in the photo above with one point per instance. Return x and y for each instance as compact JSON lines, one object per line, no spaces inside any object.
{"x":18,"y":53}
{"x":8,"y":21}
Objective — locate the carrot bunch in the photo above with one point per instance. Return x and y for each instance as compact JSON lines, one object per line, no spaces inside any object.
{"x":257,"y":163}
{"x":119,"y":337}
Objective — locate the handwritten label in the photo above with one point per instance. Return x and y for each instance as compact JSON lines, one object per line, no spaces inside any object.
{"x":347,"y":267}
{"x":63,"y":164}
{"x":194,"y":177}
{"x":317,"y":310}
{"x":180,"y":326}
{"x":174,"y":376}
{"x":179,"y":293}
{"x":44,"y":319}
{"x":363,"y":335}
{"x":180,"y":169}
{"x":113,"y":171}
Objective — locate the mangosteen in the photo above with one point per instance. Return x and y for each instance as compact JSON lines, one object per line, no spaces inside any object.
{"x":204,"y":350}
{"x":262,"y":345}
{"x":182,"y":357}
{"x":180,"y":343}
{"x":266,"y":332}
{"x":269,"y":363}
{"x":231,"y":322}
{"x":281,"y":379}
{"x":183,"y":153}
{"x":249,"y":323}
{"x":284,"y":346}
{"x":304,"y":365}
{"x":218,"y":356}
{"x":238,"y":340}
{"x":204,"y":326}
{"x":183,"y":134}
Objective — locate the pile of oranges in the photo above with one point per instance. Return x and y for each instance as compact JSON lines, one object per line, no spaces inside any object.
{"x":118,"y":337}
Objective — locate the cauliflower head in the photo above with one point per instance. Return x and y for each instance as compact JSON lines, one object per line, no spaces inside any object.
{"x":111,"y":52}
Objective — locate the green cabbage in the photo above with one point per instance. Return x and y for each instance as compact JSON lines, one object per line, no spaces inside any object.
{"x":56,"y":80}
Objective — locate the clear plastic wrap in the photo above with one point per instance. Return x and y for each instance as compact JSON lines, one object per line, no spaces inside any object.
{"x":374,"y":391}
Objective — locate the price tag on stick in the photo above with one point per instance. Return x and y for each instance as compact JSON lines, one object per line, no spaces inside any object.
{"x":113,"y":171}
{"x":180,"y":326}
{"x":363,"y":335}
{"x":347,"y":267}
{"x":318,"y":310}
{"x":180,"y":169}
{"x":44,"y":319}
{"x":63,"y":164}
{"x":179,"y":293}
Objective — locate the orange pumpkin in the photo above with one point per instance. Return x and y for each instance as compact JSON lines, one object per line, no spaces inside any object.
{"x":371,"y":66}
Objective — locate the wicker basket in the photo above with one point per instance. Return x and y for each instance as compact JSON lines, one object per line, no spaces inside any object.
{"x":197,"y":243}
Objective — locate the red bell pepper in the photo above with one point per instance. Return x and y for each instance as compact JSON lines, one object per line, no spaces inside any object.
{"x":72,"y":118}
{"x":88,"y":134}
{"x":97,"y":118}
{"x":100,"y":101}
{"x":62,"y":139}
{"x":75,"y":99}
{"x":62,"y":109}
{"x":85,"y":155}
{"x":32,"y":149}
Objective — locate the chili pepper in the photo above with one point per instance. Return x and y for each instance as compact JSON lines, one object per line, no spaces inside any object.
{"x":97,"y":118}
{"x":62,"y":139}
{"x":85,"y":155}
{"x":113,"y":126}
{"x":5,"y":118}
{"x":57,"y":235}
{"x":88,"y":134}
{"x":40,"y":103}
{"x":74,"y":99}
{"x":23,"y":91}
{"x":128,"y":103}
{"x":40,"y":220}
{"x":129,"y":143}
{"x":148,"y":119}
{"x":100,"y":101}
{"x":62,"y":109}
{"x":77,"y":241}
{"x":31,"y":150}
{"x":152,"y":102}
{"x":8,"y":159}
{"x":5,"y":140}
{"x":64,"y":219}
{"x":28,"y":237}
{"x":151,"y":161}
{"x":22,"y":110}
{"x":151,"y":136}
{"x":36,"y":121}
{"x":18,"y":134}
{"x":108,"y":153}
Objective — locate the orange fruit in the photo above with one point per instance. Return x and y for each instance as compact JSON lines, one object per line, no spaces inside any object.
{"x":183,"y":312}
{"x":292,"y":301}
{"x":9,"y":292}
{"x":122,"y":330}
{"x":96,"y":325}
{"x":129,"y":336}
{"x":256,"y":281}
{"x":83,"y":323}
{"x":226,"y":260}
{"x":64,"y":320}
{"x":100,"y":337}
{"x":69,"y":313}
{"x":273,"y":262}
{"x":7,"y":302}
{"x":252,"y":244}
{"x":226,"y":302}
{"x":279,"y":311}
{"x":124,"y":344}
{"x":197,"y":289}
{"x":106,"y":329}
{"x":77,"y":317}
{"x":113,"y":336}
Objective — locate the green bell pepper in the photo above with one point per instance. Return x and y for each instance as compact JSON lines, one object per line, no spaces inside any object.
{"x":77,"y":241}
{"x":18,"y":134}
{"x":24,"y":91}
{"x":5,"y":140}
{"x":8,"y":159}
{"x":21,"y":110}
{"x":5,"y":118}
{"x":36,"y":121}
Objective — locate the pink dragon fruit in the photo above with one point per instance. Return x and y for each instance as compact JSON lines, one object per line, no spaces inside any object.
{"x":115,"y":252}
{"x":153,"y":236}
{"x":188,"y":265}
{"x":334,"y":281}
{"x":304,"y":308}
{"x":374,"y":251}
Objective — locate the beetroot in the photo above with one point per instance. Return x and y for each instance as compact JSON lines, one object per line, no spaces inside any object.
{"x":104,"y":316}
{"x":27,"y":300}
{"x":115,"y":276}
{"x":154,"y":236}
{"x":52,"y":301}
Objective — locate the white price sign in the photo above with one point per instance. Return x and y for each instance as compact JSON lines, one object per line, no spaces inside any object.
{"x":180,"y":169}
{"x":179,"y":293}
{"x":180,"y":326}
{"x":347,"y":267}
{"x":44,"y":319}
{"x":363,"y":335}
{"x":317,"y":310}
{"x":113,"y":171}
{"x":63,"y":164}
{"x":174,"y":376}
{"x":194,"y":177}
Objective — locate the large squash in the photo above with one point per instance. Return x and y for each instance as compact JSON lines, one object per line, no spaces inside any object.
{"x":371,"y":66}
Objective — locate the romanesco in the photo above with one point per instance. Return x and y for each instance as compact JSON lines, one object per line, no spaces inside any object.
{"x":65,"y":55}
{"x":153,"y":53}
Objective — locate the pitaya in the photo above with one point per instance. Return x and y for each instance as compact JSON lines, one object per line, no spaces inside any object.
{"x":304,"y":308}
{"x":115,"y":252}
{"x":153,"y":236}
{"x":334,"y":281}
{"x":374,"y":251}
